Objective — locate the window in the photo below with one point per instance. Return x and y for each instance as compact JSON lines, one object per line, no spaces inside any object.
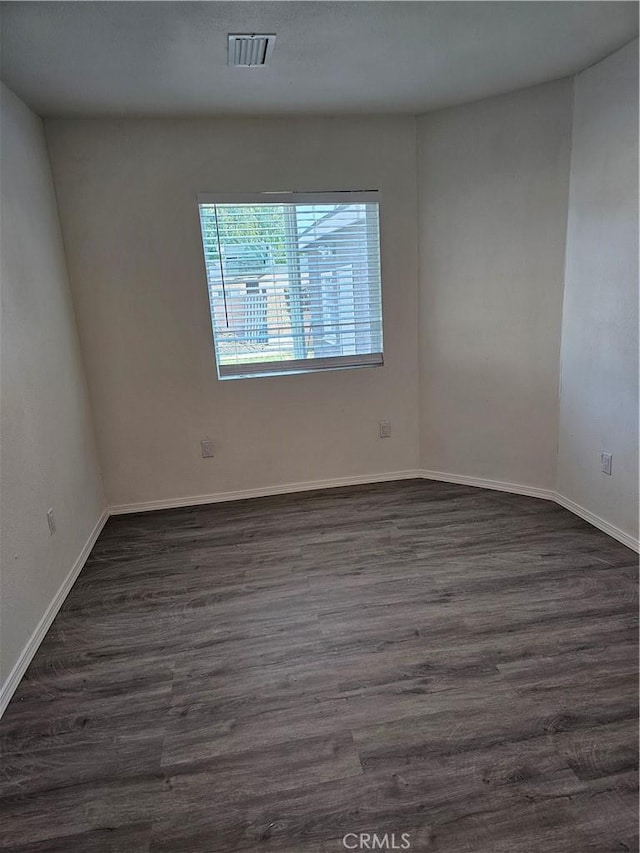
{"x":293,"y":280}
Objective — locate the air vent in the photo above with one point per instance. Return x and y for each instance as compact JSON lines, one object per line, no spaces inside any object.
{"x":250,"y":51}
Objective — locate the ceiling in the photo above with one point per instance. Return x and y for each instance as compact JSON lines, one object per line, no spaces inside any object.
{"x":169,"y":58}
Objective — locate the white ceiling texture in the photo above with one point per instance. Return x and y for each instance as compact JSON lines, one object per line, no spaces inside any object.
{"x":170,"y":58}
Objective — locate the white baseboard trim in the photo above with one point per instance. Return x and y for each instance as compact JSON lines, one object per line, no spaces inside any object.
{"x":266,"y":491}
{"x":15,"y":676}
{"x":418,"y":473}
{"x":596,"y":521}
{"x":545,"y":494}
{"x":496,"y":485}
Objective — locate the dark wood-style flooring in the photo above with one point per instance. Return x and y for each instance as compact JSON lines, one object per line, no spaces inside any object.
{"x":269,"y":675}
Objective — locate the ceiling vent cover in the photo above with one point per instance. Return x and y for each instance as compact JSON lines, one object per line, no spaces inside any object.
{"x":250,"y":51}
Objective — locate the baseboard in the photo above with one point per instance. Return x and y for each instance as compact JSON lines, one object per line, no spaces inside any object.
{"x":266,"y":491}
{"x":496,"y":485}
{"x":596,"y":521}
{"x":15,"y":676}
{"x":337,"y":482}
{"x":535,"y":492}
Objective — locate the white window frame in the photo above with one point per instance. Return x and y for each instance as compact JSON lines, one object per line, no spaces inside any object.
{"x":306,"y":365}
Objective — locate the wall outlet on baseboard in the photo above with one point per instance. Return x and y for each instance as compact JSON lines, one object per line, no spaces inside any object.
{"x":385,"y":429}
{"x":605,"y":462}
{"x":206,"y":446}
{"x":51,"y":521}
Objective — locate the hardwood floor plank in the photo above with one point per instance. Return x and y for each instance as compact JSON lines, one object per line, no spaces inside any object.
{"x":134,"y":838}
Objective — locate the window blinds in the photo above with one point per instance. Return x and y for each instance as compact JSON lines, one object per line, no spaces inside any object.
{"x":293,"y":281}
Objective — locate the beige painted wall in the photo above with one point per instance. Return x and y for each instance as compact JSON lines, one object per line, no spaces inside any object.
{"x":47,"y":451}
{"x":127,"y":198}
{"x":599,"y":399}
{"x":493,"y":187}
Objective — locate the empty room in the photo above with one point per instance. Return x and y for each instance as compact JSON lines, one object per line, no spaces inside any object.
{"x":319,"y":427}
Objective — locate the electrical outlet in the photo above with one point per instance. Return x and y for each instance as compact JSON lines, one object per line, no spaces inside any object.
{"x":385,"y":429}
{"x":51,"y":521}
{"x":605,"y":461}
{"x":206,"y":446}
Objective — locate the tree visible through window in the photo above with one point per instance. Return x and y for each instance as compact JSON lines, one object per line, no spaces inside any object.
{"x":293,"y":280}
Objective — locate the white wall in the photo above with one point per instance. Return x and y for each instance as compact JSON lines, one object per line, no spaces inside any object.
{"x":599,"y":400}
{"x":480,"y":400}
{"x":493,"y":186}
{"x":127,"y":198}
{"x":48,"y":453}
